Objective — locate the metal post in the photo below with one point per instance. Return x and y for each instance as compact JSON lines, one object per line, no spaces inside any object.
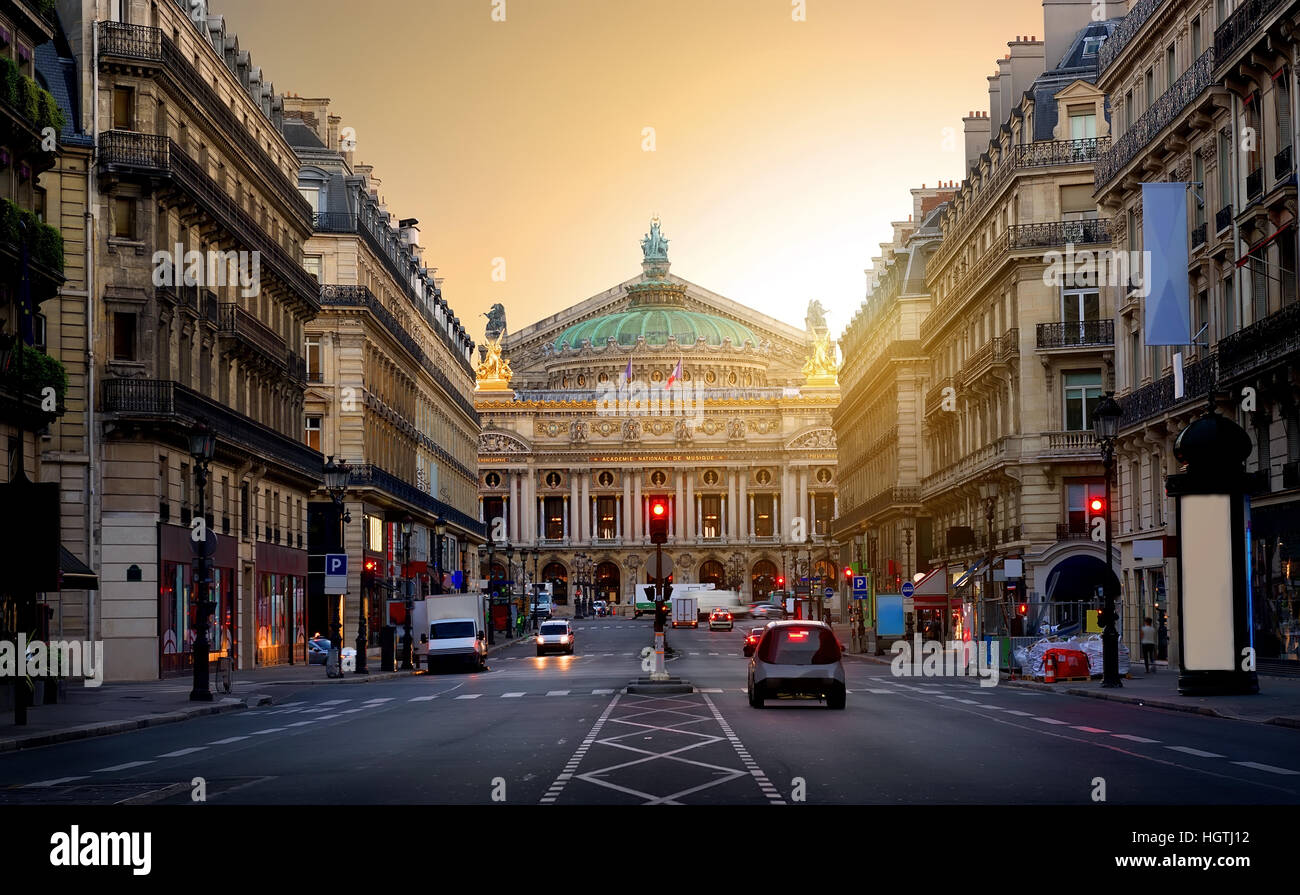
{"x":1109,"y":635}
{"x":410,"y":606}
{"x":201,"y":691}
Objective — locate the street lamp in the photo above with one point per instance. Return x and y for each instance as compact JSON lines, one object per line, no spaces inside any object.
{"x":407,"y":525}
{"x":736,"y":572}
{"x":440,"y":535}
{"x":491,"y":561}
{"x":989,"y":495}
{"x":203,"y":444}
{"x":337,"y":476}
{"x":907,"y":558}
{"x":510,"y":579}
{"x":1105,"y":423}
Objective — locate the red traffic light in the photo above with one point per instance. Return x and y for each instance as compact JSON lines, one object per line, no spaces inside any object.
{"x":658,"y":508}
{"x":658,"y":520}
{"x":1024,"y":609}
{"x":372,"y":565}
{"x":848,"y":572}
{"x":1097,"y":505}
{"x":780,"y":582}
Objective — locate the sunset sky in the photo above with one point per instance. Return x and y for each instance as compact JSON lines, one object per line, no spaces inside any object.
{"x":783,"y":149}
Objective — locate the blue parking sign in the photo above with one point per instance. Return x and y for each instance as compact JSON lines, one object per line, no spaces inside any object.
{"x":336,"y":573}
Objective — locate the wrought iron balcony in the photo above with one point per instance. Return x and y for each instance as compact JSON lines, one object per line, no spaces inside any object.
{"x":1058,"y":233}
{"x":1124,"y":33}
{"x":333,"y":296}
{"x":1223,"y":218}
{"x":1076,"y":334}
{"x":1158,"y":397}
{"x":141,"y":43}
{"x":253,"y":333}
{"x":166,"y":401}
{"x":370,"y":475}
{"x":1059,"y":152}
{"x":1066,"y":531}
{"x":1146,"y":130}
{"x":127,"y":153}
{"x":1265,"y":342}
{"x":1282,"y":164}
{"x":1198,"y":235}
{"x":1244,"y":22}
{"x":1255,"y":183}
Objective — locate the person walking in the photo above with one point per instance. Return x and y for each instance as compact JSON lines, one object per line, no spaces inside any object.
{"x":1148,"y":645}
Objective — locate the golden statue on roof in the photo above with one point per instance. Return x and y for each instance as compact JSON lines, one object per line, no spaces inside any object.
{"x":820,"y":368}
{"x":493,"y":373}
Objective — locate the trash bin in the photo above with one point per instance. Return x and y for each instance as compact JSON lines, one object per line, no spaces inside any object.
{"x":388,"y":648}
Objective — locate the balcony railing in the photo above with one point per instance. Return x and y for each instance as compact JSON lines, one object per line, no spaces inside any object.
{"x":1255,"y":183}
{"x":236,"y":322}
{"x":1066,"y":531}
{"x":369,"y":475}
{"x":1198,"y":235}
{"x":140,"y":42}
{"x":1146,"y":130}
{"x":1058,"y":233}
{"x":1071,"y":443}
{"x":1282,"y":164}
{"x":1262,"y":343}
{"x":1223,"y":219}
{"x":127,"y":152}
{"x":166,"y":400}
{"x":1076,"y":334}
{"x":362,"y":297}
{"x":1127,"y":29}
{"x":1158,"y":397}
{"x":1245,"y":20}
{"x":1059,"y":152}
{"x":935,"y":396}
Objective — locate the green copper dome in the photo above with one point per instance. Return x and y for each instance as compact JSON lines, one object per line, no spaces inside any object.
{"x":656,"y":324}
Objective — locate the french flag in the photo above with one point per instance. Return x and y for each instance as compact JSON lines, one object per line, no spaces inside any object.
{"x":675,"y":375}
{"x":627,"y":374}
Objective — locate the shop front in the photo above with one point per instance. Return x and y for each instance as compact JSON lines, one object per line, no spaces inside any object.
{"x":178,"y":603}
{"x":281,"y":602}
{"x":1274,"y":539}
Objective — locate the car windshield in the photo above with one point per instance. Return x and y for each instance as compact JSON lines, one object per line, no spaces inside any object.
{"x":800,"y":645}
{"x":448,"y":630}
{"x":321,"y":644}
{"x":555,"y":629}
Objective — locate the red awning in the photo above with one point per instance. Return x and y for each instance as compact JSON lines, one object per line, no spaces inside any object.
{"x":934,"y":585}
{"x":1263,"y":242}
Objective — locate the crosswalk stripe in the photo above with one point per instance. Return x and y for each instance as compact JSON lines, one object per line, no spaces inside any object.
{"x":604,"y":692}
{"x":557,"y":692}
{"x":423,"y":698}
{"x":335,"y":701}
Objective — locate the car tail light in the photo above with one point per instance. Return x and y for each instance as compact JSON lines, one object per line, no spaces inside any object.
{"x":798,"y":635}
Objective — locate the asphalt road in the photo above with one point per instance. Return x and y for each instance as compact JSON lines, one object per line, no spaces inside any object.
{"x":560,"y":730}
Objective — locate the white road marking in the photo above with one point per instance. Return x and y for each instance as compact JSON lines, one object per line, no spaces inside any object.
{"x":179,"y":752}
{"x":1091,"y":730}
{"x":877,"y":692}
{"x":970,"y":701}
{"x":304,"y":723}
{"x":1050,"y":721}
{"x":342,"y":712}
{"x":423,"y":698}
{"x":557,"y":692}
{"x":511,"y":695}
{"x":377,"y":701}
{"x":1021,"y":714}
{"x":710,"y":689}
{"x":228,"y":740}
{"x":41,"y":784}
{"x":258,"y":733}
{"x":1199,"y":753}
{"x":1267,"y":767}
{"x":604,"y":692}
{"x":470,"y":696}
{"x":335,"y":701}
{"x":122,"y":767}
{"x":1131,"y":738}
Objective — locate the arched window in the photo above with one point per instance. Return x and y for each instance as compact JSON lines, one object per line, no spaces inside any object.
{"x":713,"y":572}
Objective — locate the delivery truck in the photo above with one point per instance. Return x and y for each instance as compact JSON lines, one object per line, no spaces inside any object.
{"x":455,"y":627}
{"x":686,"y":612}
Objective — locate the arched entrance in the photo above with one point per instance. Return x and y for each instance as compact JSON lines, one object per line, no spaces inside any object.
{"x":763,"y":579}
{"x":497,"y":578}
{"x":609,"y":581}
{"x":823,"y":574}
{"x":557,"y":576}
{"x":713,"y":572}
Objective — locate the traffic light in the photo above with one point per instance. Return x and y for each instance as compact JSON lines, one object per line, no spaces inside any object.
{"x":658,"y":520}
{"x":780,"y":582}
{"x":1023,"y":609}
{"x":848,"y":573}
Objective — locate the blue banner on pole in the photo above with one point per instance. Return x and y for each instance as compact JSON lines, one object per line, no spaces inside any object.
{"x":1164,"y":240}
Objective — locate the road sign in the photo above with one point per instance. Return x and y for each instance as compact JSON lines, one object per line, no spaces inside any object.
{"x":859,"y":584}
{"x":652,"y":567}
{"x":336,"y":573}
{"x":908,"y":589}
{"x":207,"y":546}
{"x":829,"y":592}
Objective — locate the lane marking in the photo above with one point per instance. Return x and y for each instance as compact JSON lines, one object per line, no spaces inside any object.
{"x":258,"y":733}
{"x":423,"y":698}
{"x":1199,"y":753}
{"x":335,"y":701}
{"x":557,"y":692}
{"x":469,"y":696}
{"x":42,"y":784}
{"x":1050,"y":721}
{"x":228,"y":740}
{"x":1264,"y":767}
{"x":179,"y":752}
{"x":1091,"y":729}
{"x":511,"y":695}
{"x":1133,"y":739}
{"x":557,"y":787}
{"x":122,"y":767}
{"x":1021,"y":714}
{"x":601,"y":692}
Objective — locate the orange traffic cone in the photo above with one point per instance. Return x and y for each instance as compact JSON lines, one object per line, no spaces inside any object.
{"x":1049,"y":669}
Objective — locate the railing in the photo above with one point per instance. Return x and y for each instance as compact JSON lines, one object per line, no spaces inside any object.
{"x":1145,"y":131}
{"x":129,"y":152}
{"x":974,"y":462}
{"x":237,"y":322}
{"x":384,"y":243}
{"x":1158,"y":397}
{"x":1026,"y":155}
{"x":1245,"y":20}
{"x":1066,"y":531}
{"x":151,"y":45}
{"x":1198,"y":235}
{"x":1081,"y":441}
{"x":935,"y":396}
{"x":1125,"y":32}
{"x":362,"y":297}
{"x":1260,"y":344}
{"x":369,"y":475}
{"x":1077,"y":334}
{"x":169,"y":400}
{"x":1054,"y":233}
{"x":1223,"y":219}
{"x":1255,"y":183}
{"x":1282,"y":164}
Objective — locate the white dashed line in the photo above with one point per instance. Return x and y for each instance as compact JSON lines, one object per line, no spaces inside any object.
{"x":557,"y":692}
{"x":179,"y":752}
{"x":258,"y":733}
{"x":1091,"y":729}
{"x":710,"y":690}
{"x":227,"y":741}
{"x":1267,"y":767}
{"x":511,"y":695}
{"x":335,"y":701}
{"x":1131,"y":738}
{"x":41,"y":784}
{"x":1199,"y":753}
{"x":122,"y":767}
{"x":470,"y":696}
{"x":1051,"y":721}
{"x":423,"y":698}
{"x":601,"y":692}
{"x":1021,"y":714}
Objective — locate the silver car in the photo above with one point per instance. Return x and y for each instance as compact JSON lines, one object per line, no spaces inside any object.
{"x":555,"y":636}
{"x":797,"y":658}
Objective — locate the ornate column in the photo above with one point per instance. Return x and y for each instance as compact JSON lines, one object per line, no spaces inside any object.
{"x":679,"y":522}
{"x":732,"y":514}
{"x":564,"y":518}
{"x":638,"y":514}
{"x":625,"y":508}
{"x":572,"y":512}
{"x":540,"y":531}
{"x":803,"y":497}
{"x":690,"y":509}
{"x":744,"y":512}
{"x":751,"y":516}
{"x":587,"y":532}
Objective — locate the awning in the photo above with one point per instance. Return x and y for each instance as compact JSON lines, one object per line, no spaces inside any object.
{"x":965,"y":577}
{"x":932,"y":591}
{"x":75,"y":574}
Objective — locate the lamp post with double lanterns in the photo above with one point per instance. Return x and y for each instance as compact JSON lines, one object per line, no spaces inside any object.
{"x":440,"y":538}
{"x":510,"y":581}
{"x":907,"y":558}
{"x":537,"y":554}
{"x":736,"y":572}
{"x":407,"y":526}
{"x":1105,"y":423}
{"x":490,"y":576}
{"x":337,"y":476}
{"x":989,"y":496}
{"x":203,"y":444}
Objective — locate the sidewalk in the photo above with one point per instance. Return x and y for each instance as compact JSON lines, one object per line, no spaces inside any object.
{"x":119,"y":707}
{"x":1278,"y":700}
